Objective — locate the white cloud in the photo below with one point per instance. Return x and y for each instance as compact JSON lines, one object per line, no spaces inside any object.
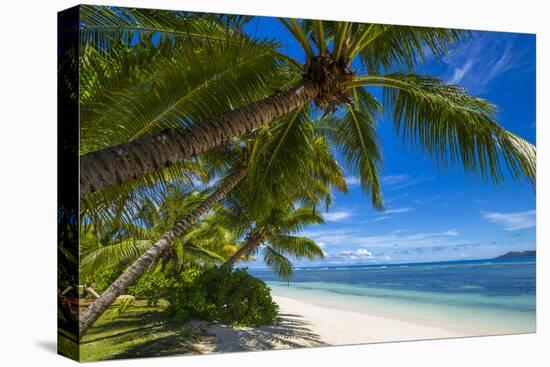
{"x":360,"y":254}
{"x":356,"y":238}
{"x":378,"y":219}
{"x":504,"y":63}
{"x":395,"y":179}
{"x":398,"y":210}
{"x":450,"y":232}
{"x":403,"y":180}
{"x":459,"y":73}
{"x":363,"y":252}
{"x":512,"y":221}
{"x":482,"y":61}
{"x":352,"y":181}
{"x":337,"y":216}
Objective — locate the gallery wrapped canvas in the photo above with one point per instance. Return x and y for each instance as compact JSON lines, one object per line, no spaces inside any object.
{"x":241,"y":183}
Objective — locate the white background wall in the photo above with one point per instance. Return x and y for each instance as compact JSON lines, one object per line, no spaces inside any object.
{"x":28,"y":182}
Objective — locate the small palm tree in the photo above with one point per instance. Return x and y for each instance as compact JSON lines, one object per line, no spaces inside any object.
{"x":155,"y":251}
{"x":322,"y":174}
{"x":275,"y":233}
{"x":117,"y":243}
{"x":451,"y":126}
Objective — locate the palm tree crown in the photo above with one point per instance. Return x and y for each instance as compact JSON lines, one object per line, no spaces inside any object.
{"x":448,"y":124}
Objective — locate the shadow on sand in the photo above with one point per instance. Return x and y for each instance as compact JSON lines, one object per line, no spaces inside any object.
{"x":291,"y":331}
{"x":165,"y":336}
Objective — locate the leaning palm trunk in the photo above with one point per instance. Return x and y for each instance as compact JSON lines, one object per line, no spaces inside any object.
{"x":92,"y":313}
{"x":118,"y":164}
{"x":250,"y":246}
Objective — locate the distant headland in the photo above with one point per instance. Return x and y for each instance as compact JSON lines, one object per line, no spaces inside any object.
{"x":516,"y":254}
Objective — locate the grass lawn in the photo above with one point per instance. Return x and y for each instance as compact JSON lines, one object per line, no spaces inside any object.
{"x":141,"y":331}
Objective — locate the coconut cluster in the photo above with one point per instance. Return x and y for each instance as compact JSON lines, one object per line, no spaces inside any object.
{"x":330,"y":75}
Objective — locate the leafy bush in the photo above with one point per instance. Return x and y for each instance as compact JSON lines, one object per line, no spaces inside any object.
{"x":152,"y":287}
{"x":105,"y":279}
{"x":234,"y":297}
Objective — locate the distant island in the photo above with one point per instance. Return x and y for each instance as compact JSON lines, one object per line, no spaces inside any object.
{"x":516,"y":254}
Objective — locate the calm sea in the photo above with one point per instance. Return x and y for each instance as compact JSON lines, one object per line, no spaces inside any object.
{"x":483,"y":296}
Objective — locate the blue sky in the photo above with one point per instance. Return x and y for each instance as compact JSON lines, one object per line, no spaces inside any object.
{"x":432,"y":215}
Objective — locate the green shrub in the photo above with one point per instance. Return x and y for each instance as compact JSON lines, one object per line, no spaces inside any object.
{"x":234,"y":297}
{"x":105,"y":279}
{"x":152,"y":287}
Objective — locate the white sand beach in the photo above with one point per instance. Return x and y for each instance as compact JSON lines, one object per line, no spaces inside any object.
{"x":307,"y":325}
{"x":339,"y":327}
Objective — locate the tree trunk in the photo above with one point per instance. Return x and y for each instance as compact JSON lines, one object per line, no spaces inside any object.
{"x":118,"y":164}
{"x":251,"y":245}
{"x":92,"y":313}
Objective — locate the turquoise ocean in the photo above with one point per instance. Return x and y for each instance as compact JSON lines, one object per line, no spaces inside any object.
{"x":483,"y":296}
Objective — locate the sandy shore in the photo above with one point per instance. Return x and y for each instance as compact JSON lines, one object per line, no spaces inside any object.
{"x":307,"y":325}
{"x":337,"y":327}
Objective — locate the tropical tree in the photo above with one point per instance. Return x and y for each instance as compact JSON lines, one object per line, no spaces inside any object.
{"x":312,"y":184}
{"x":275,"y":234}
{"x":451,"y":126}
{"x":118,"y":243}
{"x":205,"y":60}
{"x":154,"y":252}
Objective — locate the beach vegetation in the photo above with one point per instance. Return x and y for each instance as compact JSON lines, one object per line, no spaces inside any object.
{"x":231,"y":296}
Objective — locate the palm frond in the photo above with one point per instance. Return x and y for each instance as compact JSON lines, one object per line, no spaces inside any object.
{"x":320,"y":40}
{"x":340,"y":38}
{"x":147,"y":191}
{"x":189,"y":87}
{"x":455,"y":128}
{"x":277,"y":262}
{"x":202,"y":253}
{"x":297,"y":247}
{"x":354,"y":135}
{"x":394,"y":47}
{"x":113,"y":254}
{"x":327,"y":175}
{"x":280,"y":154}
{"x":103,"y":27}
{"x":296,"y":30}
{"x":291,"y":162}
{"x":291,"y":221}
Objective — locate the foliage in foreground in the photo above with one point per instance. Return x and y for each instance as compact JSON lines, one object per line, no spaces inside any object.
{"x":142,"y":331}
{"x":213,"y":294}
{"x":233,"y":297}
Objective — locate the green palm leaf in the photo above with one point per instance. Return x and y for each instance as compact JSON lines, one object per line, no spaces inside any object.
{"x":188,"y":87}
{"x":294,"y":220}
{"x":113,"y":254}
{"x":454,"y":128}
{"x":394,"y":47}
{"x":297,"y":247}
{"x":103,"y":27}
{"x":277,"y":262}
{"x":354,"y":135}
{"x":202,"y":253}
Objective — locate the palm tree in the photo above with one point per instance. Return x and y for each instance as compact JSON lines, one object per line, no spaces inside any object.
{"x":275,"y":233}
{"x":448,"y":124}
{"x":154,"y":252}
{"x":114,"y":243}
{"x":311,"y":184}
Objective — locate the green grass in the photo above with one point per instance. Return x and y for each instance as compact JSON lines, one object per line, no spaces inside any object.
{"x":141,"y":331}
